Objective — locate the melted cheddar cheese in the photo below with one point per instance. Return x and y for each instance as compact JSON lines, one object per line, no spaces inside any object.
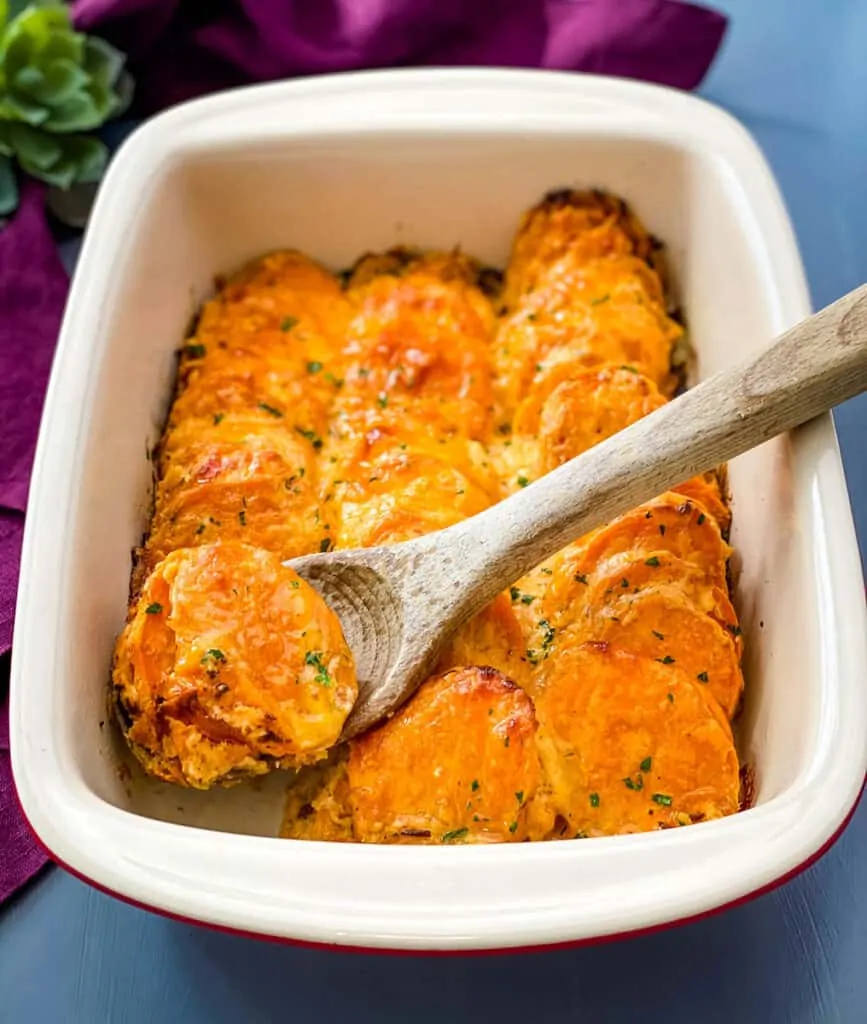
{"x":594,"y":697}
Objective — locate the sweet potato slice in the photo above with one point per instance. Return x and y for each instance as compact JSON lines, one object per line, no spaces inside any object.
{"x":660,"y":622}
{"x":631,"y":745}
{"x":457,"y":764}
{"x":230,"y":665}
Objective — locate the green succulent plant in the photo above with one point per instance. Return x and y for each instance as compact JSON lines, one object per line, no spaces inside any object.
{"x":56,"y":85}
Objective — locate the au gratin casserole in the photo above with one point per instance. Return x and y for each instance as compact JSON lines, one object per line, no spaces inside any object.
{"x":315,"y":410}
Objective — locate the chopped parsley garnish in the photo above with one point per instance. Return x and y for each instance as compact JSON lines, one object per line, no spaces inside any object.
{"x":548,"y":632}
{"x":624,"y":583}
{"x":363,"y":371}
{"x":200,"y":529}
{"x":629,"y":369}
{"x":513,"y":827}
{"x":474,"y":785}
{"x":242,"y":517}
{"x":594,"y":799}
{"x":645,"y":764}
{"x":580,"y":577}
{"x":702,"y":677}
{"x":662,"y":529}
{"x":195,"y":351}
{"x":658,"y":635}
{"x":515,"y":594}
{"x":652,"y":561}
{"x":314,"y":367}
{"x":527,"y":599}
{"x":270,"y":410}
{"x":599,"y":301}
{"x":325,"y":544}
{"x":311,"y":437}
{"x":336,"y":381}
{"x":635,"y":784}
{"x":519,"y":796}
{"x":314,"y":658}
{"x":547,"y":572}
{"x":522,"y":480}
{"x":212,"y":659}
{"x":218,"y":418}
{"x":670,"y":698}
{"x":295,"y":584}
{"x":382,"y":399}
{"x":667,"y":660}
{"x":734,"y":630}
{"x":288,"y":322}
{"x":455,"y":833}
{"x":663,"y":799}
{"x":701,"y":518}
{"x":154,"y":609}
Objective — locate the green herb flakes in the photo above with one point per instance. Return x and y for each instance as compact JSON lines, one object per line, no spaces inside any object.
{"x":314,"y":658}
{"x":288,"y":322}
{"x":454,"y":834}
{"x":663,"y":799}
{"x":594,"y":799}
{"x":154,"y":609}
{"x":311,"y":437}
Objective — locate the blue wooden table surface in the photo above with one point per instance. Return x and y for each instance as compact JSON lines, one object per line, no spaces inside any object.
{"x":794,"y":72}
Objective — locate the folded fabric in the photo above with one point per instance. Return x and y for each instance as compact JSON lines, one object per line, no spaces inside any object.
{"x":178,"y":50}
{"x":199,"y":47}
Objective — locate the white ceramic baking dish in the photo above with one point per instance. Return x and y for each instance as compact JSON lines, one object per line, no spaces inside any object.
{"x":337,"y":166}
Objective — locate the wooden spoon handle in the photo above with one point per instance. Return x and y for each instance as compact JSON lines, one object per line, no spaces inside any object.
{"x":807,"y":371}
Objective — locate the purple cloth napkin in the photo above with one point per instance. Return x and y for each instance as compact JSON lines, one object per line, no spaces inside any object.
{"x":179,"y":49}
{"x":200,"y":47}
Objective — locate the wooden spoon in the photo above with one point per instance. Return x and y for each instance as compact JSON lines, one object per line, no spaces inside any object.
{"x":400,"y":604}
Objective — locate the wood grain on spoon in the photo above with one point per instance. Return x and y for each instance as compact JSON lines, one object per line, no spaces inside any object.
{"x":400,"y":604}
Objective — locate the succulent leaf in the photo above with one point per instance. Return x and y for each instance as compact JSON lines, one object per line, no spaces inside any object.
{"x":55,"y":83}
{"x":8,"y":187}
